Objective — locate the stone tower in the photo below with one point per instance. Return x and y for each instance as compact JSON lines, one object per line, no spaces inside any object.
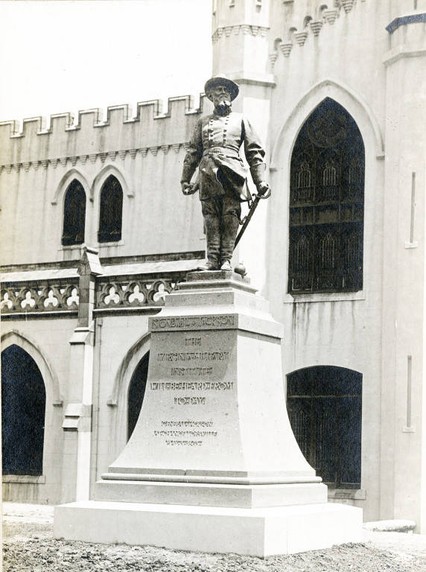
{"x":240,"y":38}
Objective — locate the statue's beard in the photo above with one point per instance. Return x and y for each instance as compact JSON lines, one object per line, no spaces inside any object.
{"x":223,"y":107}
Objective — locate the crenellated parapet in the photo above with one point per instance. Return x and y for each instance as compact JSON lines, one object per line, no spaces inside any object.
{"x":89,"y":136}
{"x":302,"y":20}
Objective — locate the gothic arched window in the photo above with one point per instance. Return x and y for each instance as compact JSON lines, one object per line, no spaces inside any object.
{"x":74,"y":214}
{"x":136,"y":393}
{"x":325,"y":409}
{"x":23,"y":412}
{"x":111,"y":209}
{"x":327,"y":204}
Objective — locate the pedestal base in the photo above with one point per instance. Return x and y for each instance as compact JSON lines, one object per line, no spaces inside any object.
{"x":208,"y":494}
{"x":212,"y":464}
{"x":256,"y":532}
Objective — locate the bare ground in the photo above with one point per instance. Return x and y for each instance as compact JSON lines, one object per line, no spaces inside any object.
{"x":29,"y":546}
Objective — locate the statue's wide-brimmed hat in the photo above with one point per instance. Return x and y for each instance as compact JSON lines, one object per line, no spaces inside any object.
{"x":218,"y":80}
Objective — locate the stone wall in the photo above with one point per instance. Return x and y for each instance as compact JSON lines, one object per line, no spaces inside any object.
{"x":144,"y":153}
{"x":363,"y":55}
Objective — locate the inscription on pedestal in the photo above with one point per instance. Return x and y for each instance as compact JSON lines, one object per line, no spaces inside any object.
{"x":214,"y":412}
{"x":191,"y":379}
{"x":223,"y":322}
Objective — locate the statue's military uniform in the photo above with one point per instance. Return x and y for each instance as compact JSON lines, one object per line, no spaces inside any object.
{"x":214,"y":148}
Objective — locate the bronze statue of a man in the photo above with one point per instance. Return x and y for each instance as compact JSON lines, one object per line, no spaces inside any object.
{"x":222,"y":182}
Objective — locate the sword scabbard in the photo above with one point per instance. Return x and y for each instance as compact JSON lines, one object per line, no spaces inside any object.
{"x":247,"y":219}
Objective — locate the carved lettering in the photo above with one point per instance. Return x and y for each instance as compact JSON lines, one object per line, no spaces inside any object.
{"x":191,"y":356}
{"x":187,"y":423}
{"x":194,"y":323}
{"x":185,"y":434}
{"x":193,"y":341}
{"x":184,"y":443}
{"x":183,"y":371}
{"x":190,"y":400}
{"x":192,"y":385}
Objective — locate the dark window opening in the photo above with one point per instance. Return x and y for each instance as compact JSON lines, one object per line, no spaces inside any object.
{"x":325,"y":410}
{"x":327,"y":204}
{"x":110,"y":216}
{"x":23,"y":412}
{"x":74,"y":214}
{"x":136,"y":393}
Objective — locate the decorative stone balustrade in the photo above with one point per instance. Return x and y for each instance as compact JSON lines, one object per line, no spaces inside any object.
{"x":135,"y":293}
{"x":34,"y":298}
{"x":114,"y":293}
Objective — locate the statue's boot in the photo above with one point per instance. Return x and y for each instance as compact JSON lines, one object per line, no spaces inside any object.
{"x":231,"y":224}
{"x":212,"y":229}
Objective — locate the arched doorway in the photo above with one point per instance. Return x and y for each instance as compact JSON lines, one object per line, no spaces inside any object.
{"x":325,"y":410}
{"x":136,"y":393}
{"x":23,"y":413}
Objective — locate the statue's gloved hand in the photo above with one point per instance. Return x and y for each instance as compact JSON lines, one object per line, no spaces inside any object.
{"x":188,"y":188}
{"x":263,"y":188}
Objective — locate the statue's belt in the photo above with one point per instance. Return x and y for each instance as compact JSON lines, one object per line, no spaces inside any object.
{"x":226,"y":151}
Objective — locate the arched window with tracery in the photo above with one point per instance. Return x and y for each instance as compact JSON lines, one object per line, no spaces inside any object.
{"x":327,"y":203}
{"x":23,"y":413}
{"x":74,"y":214}
{"x":324,"y":405}
{"x":111,"y":211}
{"x":136,"y":393}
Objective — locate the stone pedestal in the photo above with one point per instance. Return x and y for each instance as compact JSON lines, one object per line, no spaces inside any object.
{"x":213,"y":464}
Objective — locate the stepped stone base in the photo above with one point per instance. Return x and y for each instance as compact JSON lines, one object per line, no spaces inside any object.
{"x":207,"y":494}
{"x":255,"y":532}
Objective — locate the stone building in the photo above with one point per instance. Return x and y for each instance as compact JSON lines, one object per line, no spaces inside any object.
{"x":96,"y":233}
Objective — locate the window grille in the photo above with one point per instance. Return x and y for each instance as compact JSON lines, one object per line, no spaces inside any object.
{"x":327,"y":204}
{"x":325,"y":409}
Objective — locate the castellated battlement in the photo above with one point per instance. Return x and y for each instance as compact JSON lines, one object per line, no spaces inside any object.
{"x":65,"y":136}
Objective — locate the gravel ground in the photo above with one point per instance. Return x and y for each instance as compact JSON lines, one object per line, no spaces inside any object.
{"x":29,"y":546}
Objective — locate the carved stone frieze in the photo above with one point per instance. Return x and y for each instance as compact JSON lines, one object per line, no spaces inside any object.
{"x":316,"y":27}
{"x":117,"y":293}
{"x":347,"y":5}
{"x":300,"y":37}
{"x":286,"y":48}
{"x":17,"y":299}
{"x":132,"y":293}
{"x":330,"y":16}
{"x":273,"y":56}
{"x":93,"y":157}
{"x":323,"y":15}
{"x":239,"y":29}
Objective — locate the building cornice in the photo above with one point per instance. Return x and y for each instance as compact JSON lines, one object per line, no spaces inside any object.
{"x":245,"y":29}
{"x":405,"y":20}
{"x":82,"y":159}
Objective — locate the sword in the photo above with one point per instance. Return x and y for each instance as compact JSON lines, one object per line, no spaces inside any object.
{"x":252,"y":207}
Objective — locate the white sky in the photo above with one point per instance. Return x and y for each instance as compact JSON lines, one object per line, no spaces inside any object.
{"x":61,"y":55}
